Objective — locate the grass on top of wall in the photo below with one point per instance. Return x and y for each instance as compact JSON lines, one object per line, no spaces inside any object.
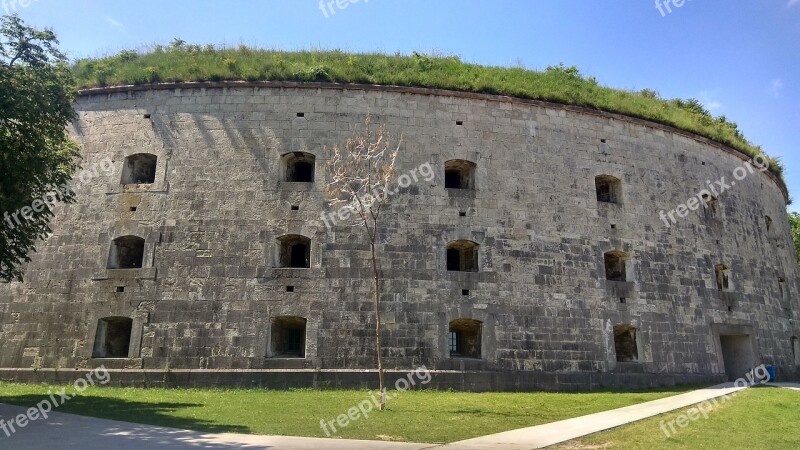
{"x":559,"y":84}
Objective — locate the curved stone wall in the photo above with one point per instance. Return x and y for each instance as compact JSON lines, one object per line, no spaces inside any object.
{"x":568,"y":291}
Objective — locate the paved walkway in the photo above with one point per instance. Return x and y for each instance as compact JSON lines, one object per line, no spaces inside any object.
{"x":553,"y":433}
{"x":68,"y":431}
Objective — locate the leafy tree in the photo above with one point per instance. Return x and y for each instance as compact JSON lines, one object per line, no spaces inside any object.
{"x":794,"y":222}
{"x":360,"y":174}
{"x":37,"y":157}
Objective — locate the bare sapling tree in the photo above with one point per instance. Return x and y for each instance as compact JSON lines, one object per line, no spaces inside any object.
{"x":359,"y":177}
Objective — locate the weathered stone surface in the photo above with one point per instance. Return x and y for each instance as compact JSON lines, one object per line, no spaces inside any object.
{"x":209,"y":288}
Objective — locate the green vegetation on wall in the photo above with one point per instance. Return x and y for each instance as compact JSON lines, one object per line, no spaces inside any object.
{"x":794,"y":221}
{"x":559,"y":84}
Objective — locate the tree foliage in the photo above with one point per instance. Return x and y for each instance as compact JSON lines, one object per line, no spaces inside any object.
{"x":360,"y":174}
{"x":794,"y":222}
{"x":37,"y":157}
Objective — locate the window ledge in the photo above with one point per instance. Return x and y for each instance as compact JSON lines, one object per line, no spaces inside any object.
{"x":297,"y":272}
{"x":305,"y":186}
{"x":461,"y":193}
{"x":146,"y":273}
{"x":159,"y":187}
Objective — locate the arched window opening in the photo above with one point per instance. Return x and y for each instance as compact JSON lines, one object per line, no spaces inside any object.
{"x":127,"y":252}
{"x":464,"y":338}
{"x":616,"y":266}
{"x":139,"y":169}
{"x":608,"y":189}
{"x":289,"y":337}
{"x":459,"y":174}
{"x":113,"y":337}
{"x":625,"y":344}
{"x":723,"y":277}
{"x":299,"y":167}
{"x":294,"y":251}
{"x":462,"y":256}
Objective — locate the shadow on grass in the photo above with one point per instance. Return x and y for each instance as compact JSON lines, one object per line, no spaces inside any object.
{"x":152,"y":413}
{"x":480,"y":412}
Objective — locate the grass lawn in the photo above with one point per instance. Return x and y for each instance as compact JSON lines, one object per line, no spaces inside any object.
{"x":756,"y":418}
{"x":418,"y":416}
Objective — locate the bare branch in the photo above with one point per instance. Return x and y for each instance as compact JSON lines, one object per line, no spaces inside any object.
{"x":359,"y":176}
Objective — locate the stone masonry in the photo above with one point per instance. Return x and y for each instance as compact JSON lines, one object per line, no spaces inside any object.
{"x":702,"y":299}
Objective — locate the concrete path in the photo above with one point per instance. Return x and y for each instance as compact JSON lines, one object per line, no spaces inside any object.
{"x":553,"y":433}
{"x":68,"y":431}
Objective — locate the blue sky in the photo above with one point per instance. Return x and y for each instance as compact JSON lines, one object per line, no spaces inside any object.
{"x":741,"y":58}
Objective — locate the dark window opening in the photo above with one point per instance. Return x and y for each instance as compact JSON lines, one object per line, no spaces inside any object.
{"x":295,"y":251}
{"x":126,"y":252}
{"x":113,"y":338}
{"x":299,"y":167}
{"x":301,"y":114}
{"x":459,"y":174}
{"x":295,"y":208}
{"x":120,"y":288}
{"x":459,"y":122}
{"x":625,"y":343}
{"x":453,"y":259}
{"x":711,"y":204}
{"x":465,"y":292}
{"x":139,"y":169}
{"x":462,"y":256}
{"x":452,"y":179}
{"x":465,"y":338}
{"x":622,"y":300}
{"x":723,"y":276}
{"x":289,"y":337}
{"x":289,"y":288}
{"x":609,"y":189}
{"x":462,"y":214}
{"x":616,"y":267}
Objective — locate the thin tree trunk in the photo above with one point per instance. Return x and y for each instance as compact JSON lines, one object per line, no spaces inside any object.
{"x":377,"y":298}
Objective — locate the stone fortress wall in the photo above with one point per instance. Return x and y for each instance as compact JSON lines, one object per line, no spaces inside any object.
{"x":564,"y":274}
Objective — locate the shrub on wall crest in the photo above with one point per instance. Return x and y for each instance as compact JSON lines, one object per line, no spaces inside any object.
{"x":794,"y":222}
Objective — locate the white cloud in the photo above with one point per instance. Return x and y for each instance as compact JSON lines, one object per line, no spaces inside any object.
{"x":707,"y":98}
{"x":776,"y":85}
{"x":114,"y":22}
